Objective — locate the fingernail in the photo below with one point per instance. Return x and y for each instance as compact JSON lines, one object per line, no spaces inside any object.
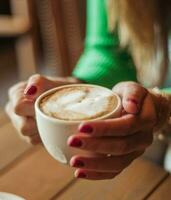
{"x":133,"y":101}
{"x":86,"y":129}
{"x":134,"y":106}
{"x":30,"y":90}
{"x":75,"y":142}
{"x":78,"y":163}
{"x":81,"y":175}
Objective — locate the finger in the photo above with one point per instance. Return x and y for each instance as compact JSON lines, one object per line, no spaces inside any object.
{"x":132,"y":95}
{"x":93,"y":175}
{"x":112,"y":145}
{"x":28,"y":126}
{"x":148,"y":115}
{"x":25,"y":126}
{"x":38,"y":84}
{"x":34,"y":140}
{"x":125,"y":125}
{"x":104,"y":164}
{"x":21,"y":105}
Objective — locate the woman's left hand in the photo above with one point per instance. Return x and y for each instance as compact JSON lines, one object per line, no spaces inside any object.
{"x":115,"y":143}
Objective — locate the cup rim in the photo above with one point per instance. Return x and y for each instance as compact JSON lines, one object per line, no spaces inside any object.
{"x":38,"y":110}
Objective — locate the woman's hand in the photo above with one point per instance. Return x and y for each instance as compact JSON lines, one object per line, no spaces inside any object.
{"x":20,"y":107}
{"x":115,"y":143}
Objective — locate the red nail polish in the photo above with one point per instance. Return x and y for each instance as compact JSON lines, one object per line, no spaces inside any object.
{"x":30,"y":90}
{"x":78,"y":163}
{"x":133,"y":106}
{"x":75,"y":142}
{"x":86,"y":129}
{"x":81,"y":175}
{"x":133,"y":101}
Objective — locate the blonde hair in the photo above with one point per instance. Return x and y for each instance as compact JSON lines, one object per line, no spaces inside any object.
{"x":142,"y":26}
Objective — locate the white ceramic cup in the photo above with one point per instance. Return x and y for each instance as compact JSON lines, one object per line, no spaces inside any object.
{"x":8,"y":196}
{"x":55,"y":132}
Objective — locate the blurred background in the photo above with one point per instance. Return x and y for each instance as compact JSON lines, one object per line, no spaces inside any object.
{"x":39,"y":36}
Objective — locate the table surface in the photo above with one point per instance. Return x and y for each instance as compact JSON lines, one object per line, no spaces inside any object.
{"x":31,"y":173}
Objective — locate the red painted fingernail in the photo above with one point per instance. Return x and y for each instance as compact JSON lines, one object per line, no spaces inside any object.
{"x":30,"y":90}
{"x":133,"y":101}
{"x":75,"y":142}
{"x":133,"y":106}
{"x":81,"y":175}
{"x":86,"y":129}
{"x":78,"y":163}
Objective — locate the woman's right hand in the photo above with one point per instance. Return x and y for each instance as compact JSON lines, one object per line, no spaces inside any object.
{"x":20,"y":107}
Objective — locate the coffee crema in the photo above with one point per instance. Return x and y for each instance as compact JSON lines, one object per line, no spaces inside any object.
{"x":78,"y":103}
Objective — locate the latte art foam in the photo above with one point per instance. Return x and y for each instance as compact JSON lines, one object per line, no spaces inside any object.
{"x":78,"y":103}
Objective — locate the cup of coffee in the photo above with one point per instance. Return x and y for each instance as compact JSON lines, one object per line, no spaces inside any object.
{"x":59,"y":112}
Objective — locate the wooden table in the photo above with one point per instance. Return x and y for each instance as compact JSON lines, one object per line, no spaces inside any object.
{"x":31,"y":173}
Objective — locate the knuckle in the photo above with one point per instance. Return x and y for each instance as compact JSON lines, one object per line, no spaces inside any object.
{"x":87,"y":145}
{"x":17,"y":109}
{"x":24,"y":130}
{"x":21,"y":106}
{"x":35,"y":140}
{"x":137,"y":90}
{"x":37,"y":78}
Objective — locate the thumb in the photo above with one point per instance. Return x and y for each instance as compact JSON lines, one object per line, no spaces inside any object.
{"x":132,"y":95}
{"x":38,"y":84}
